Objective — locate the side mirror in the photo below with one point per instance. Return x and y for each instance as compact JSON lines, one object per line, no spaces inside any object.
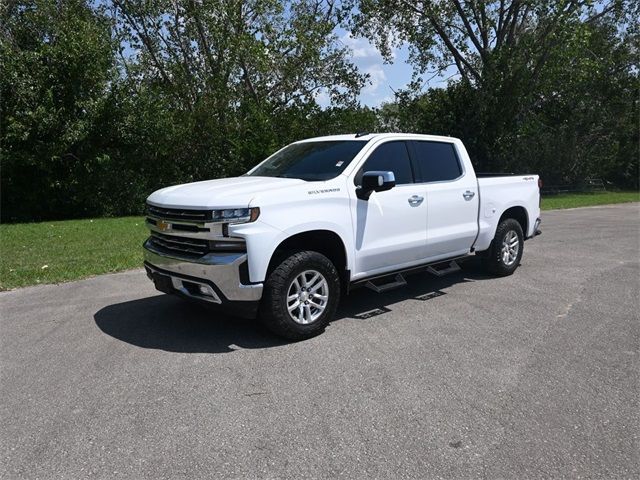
{"x":375,"y":182}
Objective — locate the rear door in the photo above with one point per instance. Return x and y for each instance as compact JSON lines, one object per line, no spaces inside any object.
{"x":390,"y":228}
{"x":451,"y":198}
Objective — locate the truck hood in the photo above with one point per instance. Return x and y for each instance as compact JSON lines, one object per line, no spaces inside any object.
{"x":220,"y":193}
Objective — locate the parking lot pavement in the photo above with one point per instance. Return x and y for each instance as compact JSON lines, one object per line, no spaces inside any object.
{"x":534,"y":375}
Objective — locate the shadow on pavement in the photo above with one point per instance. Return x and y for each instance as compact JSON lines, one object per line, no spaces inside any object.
{"x":169,"y":323}
{"x":363,"y":303}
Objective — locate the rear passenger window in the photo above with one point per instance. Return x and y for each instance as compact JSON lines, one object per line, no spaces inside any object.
{"x":437,"y":161}
{"x":389,"y":157}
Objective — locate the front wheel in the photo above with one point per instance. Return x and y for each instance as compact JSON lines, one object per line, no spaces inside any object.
{"x":505,"y":253}
{"x":300,"y":296}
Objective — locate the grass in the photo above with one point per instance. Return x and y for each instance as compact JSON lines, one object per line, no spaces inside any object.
{"x":574,"y":200}
{"x":52,"y":252}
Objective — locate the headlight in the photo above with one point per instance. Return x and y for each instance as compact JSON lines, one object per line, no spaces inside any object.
{"x":236,"y":215}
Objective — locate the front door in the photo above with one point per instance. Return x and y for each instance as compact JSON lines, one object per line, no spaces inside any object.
{"x":390,"y":228}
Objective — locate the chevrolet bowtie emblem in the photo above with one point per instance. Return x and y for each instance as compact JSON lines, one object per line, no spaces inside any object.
{"x":163,"y":226}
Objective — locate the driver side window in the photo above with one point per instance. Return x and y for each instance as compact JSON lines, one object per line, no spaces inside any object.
{"x":392,"y":157}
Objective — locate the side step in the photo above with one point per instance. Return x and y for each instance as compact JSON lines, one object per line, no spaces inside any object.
{"x":397,"y":282}
{"x":441,"y":269}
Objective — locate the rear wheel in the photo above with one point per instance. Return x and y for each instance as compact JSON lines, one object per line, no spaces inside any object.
{"x":300,"y":295}
{"x":505,"y":253}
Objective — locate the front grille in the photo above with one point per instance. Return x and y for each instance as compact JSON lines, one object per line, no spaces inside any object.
{"x":192,"y":247}
{"x":179,"y":213}
{"x":184,"y":227}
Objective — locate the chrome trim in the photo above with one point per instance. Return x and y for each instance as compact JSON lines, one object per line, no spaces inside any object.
{"x":204,"y":222}
{"x":179,"y":213}
{"x":186,"y":245}
{"x":415,"y":200}
{"x":387,"y":176}
{"x":191,"y":207}
{"x":220,"y":269}
{"x":211,"y":295}
{"x":175,"y":222}
{"x":214,"y":229}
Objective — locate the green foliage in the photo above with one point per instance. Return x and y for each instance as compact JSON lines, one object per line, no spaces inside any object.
{"x":104,"y":102}
{"x":576,"y":200}
{"x":542,"y":86}
{"x":57,"y":62}
{"x":239,"y":77}
{"x":101,"y":105}
{"x":51,"y":252}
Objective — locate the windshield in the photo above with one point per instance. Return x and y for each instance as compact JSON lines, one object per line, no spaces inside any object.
{"x":310,"y":160}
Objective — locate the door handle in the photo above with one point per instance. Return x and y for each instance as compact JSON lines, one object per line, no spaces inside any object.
{"x":415,"y":200}
{"x":468,"y":195}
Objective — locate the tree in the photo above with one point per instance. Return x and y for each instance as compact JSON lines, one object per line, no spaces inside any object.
{"x":57,"y":61}
{"x":102,"y":103}
{"x":480,"y":38}
{"x":235,"y":67}
{"x":516,"y":62}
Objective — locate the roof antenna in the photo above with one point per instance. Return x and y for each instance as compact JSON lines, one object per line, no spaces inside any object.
{"x":361,"y":134}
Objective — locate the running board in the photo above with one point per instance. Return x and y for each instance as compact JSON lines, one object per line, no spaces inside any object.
{"x":368,"y":282}
{"x":451,"y":267}
{"x":397,"y":282}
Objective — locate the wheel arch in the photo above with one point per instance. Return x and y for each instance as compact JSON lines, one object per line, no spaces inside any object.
{"x":327,"y":242}
{"x":519,"y":214}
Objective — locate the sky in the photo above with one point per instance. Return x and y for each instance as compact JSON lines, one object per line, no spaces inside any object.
{"x":385,"y":78}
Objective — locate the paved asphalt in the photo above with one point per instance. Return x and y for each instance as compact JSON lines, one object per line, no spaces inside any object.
{"x":465,"y":376}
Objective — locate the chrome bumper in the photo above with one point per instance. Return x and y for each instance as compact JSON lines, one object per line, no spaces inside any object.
{"x":214,"y":277}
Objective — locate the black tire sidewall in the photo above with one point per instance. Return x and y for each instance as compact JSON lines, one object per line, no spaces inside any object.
{"x":274,"y":313}
{"x":494,"y":260}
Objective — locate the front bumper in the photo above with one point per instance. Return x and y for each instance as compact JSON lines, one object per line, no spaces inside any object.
{"x":214,"y":278}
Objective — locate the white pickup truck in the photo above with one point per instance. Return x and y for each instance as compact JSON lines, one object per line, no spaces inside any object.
{"x":320,"y":216}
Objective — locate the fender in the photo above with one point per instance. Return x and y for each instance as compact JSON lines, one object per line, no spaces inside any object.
{"x":489,"y":219}
{"x":303,"y":228}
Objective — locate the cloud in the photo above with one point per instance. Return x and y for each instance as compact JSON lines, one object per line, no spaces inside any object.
{"x":363,"y":51}
{"x":386,"y":99}
{"x":323,"y":98}
{"x":377,"y":79}
{"x":360,"y":47}
{"x":367,"y":58}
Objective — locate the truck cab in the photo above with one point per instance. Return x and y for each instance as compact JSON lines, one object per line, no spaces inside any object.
{"x":286,"y":240}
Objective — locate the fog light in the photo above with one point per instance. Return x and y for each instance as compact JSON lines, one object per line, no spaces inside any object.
{"x":204,"y":290}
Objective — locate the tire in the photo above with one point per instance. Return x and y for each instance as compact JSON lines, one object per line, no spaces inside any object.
{"x":498,"y":261}
{"x":294,"y":282}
